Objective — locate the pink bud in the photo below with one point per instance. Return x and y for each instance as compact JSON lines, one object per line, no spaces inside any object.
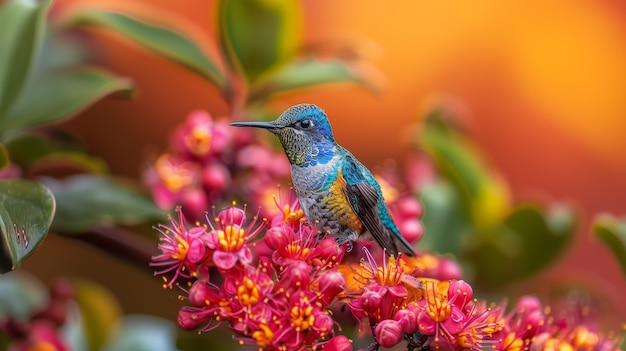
{"x":296,"y":276}
{"x":330,"y":283}
{"x":388,"y":333}
{"x":527,"y":304}
{"x":371,"y":302}
{"x":187,"y":320}
{"x":412,"y":230}
{"x":448,"y":270}
{"x":323,"y":323}
{"x":232,"y":215}
{"x":194,"y":203}
{"x":200,"y":293}
{"x":277,"y":237}
{"x":328,"y":252}
{"x":460,"y":293}
{"x":407,"y":319}
{"x":533,"y":323}
{"x":254,"y":156}
{"x":216,"y":177}
{"x":338,"y":343}
{"x":408,"y":207}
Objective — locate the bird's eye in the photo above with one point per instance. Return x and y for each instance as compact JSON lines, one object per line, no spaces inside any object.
{"x":305,"y":123}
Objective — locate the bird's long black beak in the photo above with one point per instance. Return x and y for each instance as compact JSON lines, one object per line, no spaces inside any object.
{"x":264,"y":125}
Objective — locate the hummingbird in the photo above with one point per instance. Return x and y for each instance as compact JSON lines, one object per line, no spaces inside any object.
{"x":336,"y":191}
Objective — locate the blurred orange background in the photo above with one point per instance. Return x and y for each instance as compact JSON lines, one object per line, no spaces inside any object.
{"x":541,"y":85}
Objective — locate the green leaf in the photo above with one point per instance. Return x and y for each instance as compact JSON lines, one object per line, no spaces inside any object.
{"x":259,"y":35}
{"x":29,"y":147}
{"x":612,"y":232}
{"x":4,"y":157}
{"x":164,"y":41}
{"x":446,"y":225}
{"x":144,"y":333}
{"x":22,"y":25}
{"x":21,"y":296}
{"x":26,"y":211}
{"x":99,"y":310}
{"x":87,"y":200}
{"x":307,"y":73}
{"x":485,"y":196}
{"x":74,"y":89}
{"x":526,"y":242}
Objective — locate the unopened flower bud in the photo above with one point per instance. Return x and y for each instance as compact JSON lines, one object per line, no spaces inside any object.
{"x":232,"y":215}
{"x":194,"y":203}
{"x":323,"y":323}
{"x":409,"y":207}
{"x":528,"y":304}
{"x":407,"y":319}
{"x":200,"y":293}
{"x":331,"y":283}
{"x":187,"y":320}
{"x":296,"y":275}
{"x":328,"y":252}
{"x":448,"y":269}
{"x":460,"y":293}
{"x":412,"y":230}
{"x":216,"y":177}
{"x":277,"y":237}
{"x":388,"y":333}
{"x":371,"y":302}
{"x":338,"y":343}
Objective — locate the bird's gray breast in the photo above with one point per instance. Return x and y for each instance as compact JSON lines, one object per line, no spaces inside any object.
{"x":312,"y":185}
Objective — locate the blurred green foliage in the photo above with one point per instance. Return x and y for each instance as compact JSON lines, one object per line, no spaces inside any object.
{"x":43,"y":81}
{"x":612,"y":232}
{"x":468,"y":213}
{"x":261,"y":51}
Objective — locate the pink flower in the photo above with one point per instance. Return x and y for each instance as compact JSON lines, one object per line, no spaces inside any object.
{"x":169,"y":178}
{"x":183,"y":249}
{"x":383,"y":290}
{"x":229,"y":238}
{"x":200,"y":137}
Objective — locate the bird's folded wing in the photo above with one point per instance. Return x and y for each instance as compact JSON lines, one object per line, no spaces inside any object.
{"x":364,"y":198}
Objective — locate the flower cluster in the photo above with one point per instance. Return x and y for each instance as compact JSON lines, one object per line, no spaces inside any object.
{"x":41,"y":330}
{"x":427,"y":312}
{"x":532,"y":326}
{"x":275,"y":281}
{"x":206,"y":161}
{"x":279,"y":302}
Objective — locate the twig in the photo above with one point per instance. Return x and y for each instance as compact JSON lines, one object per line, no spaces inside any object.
{"x":120,"y":243}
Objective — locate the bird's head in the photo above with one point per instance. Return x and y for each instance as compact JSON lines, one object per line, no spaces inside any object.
{"x":303,"y":131}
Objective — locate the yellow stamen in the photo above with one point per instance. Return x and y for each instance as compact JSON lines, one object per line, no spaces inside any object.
{"x":174,"y":176}
{"x":181,"y":249}
{"x":263,"y":336}
{"x":248,"y":292}
{"x":199,"y":140}
{"x":231,"y":238}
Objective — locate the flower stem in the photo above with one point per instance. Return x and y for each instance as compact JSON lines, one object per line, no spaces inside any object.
{"x":120,"y":243}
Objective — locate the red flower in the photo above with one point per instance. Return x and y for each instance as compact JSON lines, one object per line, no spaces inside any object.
{"x":183,"y":249}
{"x":229,"y":239}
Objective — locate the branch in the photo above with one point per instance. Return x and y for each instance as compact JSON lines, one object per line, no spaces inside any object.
{"x":120,"y":243}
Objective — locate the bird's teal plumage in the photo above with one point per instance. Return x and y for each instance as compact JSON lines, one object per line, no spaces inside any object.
{"x":338,"y":193}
